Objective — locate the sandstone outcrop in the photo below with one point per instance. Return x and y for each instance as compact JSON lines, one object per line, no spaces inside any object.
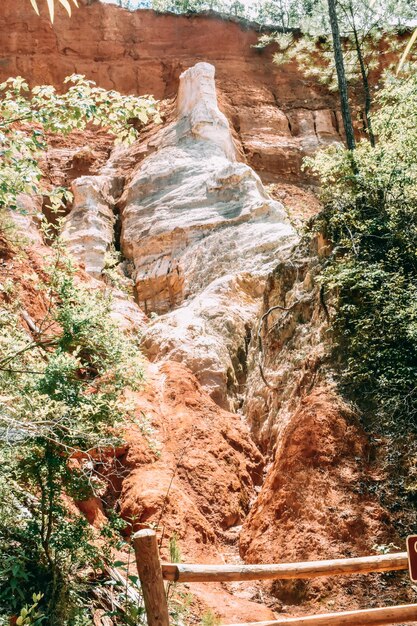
{"x":186,"y":464}
{"x":286,"y":358}
{"x":202,"y":234}
{"x":204,"y":453}
{"x":90,"y":226}
{"x":314,"y":502}
{"x":278,"y":115}
{"x":211,"y":258}
{"x":318,"y":498}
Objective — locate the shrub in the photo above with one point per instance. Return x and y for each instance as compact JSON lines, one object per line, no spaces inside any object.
{"x":61,"y":392}
{"x":370,"y":218}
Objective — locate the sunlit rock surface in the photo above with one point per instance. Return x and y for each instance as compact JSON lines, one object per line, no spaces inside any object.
{"x":277,"y":112}
{"x":89,"y":227}
{"x":202,"y":234}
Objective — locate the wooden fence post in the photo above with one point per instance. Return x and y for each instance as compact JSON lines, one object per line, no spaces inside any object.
{"x":150,"y":575}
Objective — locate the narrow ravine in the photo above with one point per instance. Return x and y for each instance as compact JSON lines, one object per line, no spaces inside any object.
{"x":250,"y":453}
{"x":200,"y":235}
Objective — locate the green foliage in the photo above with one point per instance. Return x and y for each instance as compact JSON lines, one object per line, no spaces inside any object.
{"x":174,"y":549}
{"x":281,"y":12}
{"x":314,"y":55}
{"x":210,"y":619}
{"x":370,"y":218}
{"x":196,"y":6}
{"x":179,"y":606}
{"x":312,"y":16}
{"x":61,"y":383}
{"x":284,"y":13}
{"x":112,"y":274}
{"x":349,"y":50}
{"x":61,"y":394}
{"x":27,"y":114}
{"x":30,"y":614}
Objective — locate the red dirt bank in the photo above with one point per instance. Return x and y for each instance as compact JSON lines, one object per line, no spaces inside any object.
{"x":277,"y":114}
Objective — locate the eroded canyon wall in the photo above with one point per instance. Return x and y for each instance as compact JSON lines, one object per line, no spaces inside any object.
{"x":278,"y":115}
{"x":232,"y":297}
{"x":209,"y":254}
{"x":203,"y":234}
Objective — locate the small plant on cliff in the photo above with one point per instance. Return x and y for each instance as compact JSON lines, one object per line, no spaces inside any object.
{"x":62,"y":388}
{"x":179,"y":602}
{"x":210,"y":619}
{"x":26,"y":115}
{"x":370,"y":217}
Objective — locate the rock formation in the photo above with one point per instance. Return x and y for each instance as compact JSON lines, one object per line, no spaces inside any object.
{"x":202,"y":234}
{"x":191,"y":468}
{"x":223,"y":303}
{"x":90,"y":226}
{"x":277,"y":114}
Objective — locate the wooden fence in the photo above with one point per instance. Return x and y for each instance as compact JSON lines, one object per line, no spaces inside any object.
{"x":152,"y":574}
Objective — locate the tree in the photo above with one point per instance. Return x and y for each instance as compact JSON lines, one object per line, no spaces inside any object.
{"x":27,"y":114}
{"x":407,"y":51}
{"x":370,"y":219}
{"x":237,"y":8}
{"x":364,"y":22}
{"x":367,"y":33}
{"x":363,"y":71}
{"x":61,"y":381}
{"x":61,"y":389}
{"x":284,"y":13}
{"x":191,"y":6}
{"x":341,"y":75}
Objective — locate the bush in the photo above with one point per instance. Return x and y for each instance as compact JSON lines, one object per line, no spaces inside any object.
{"x":370,"y":218}
{"x":27,"y":114}
{"x":61,"y":392}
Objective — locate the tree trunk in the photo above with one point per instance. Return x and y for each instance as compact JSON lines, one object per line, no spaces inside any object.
{"x":365,"y":80}
{"x":341,"y":76}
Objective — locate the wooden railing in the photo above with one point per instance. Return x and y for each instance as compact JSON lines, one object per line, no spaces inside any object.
{"x":152,"y":574}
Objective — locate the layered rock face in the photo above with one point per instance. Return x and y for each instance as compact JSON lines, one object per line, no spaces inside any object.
{"x":318,"y":498}
{"x":277,"y":114}
{"x":314,"y":503}
{"x":202,"y":234}
{"x":89,"y":228}
{"x":228,"y":306}
{"x":191,"y":469}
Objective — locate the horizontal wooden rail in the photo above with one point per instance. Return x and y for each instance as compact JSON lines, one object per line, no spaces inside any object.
{"x":188,"y":573}
{"x":374,"y":617}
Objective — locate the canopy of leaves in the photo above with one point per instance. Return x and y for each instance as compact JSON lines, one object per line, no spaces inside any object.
{"x":284,"y":13}
{"x":26,"y":114}
{"x":376,"y":24}
{"x":370,"y":218}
